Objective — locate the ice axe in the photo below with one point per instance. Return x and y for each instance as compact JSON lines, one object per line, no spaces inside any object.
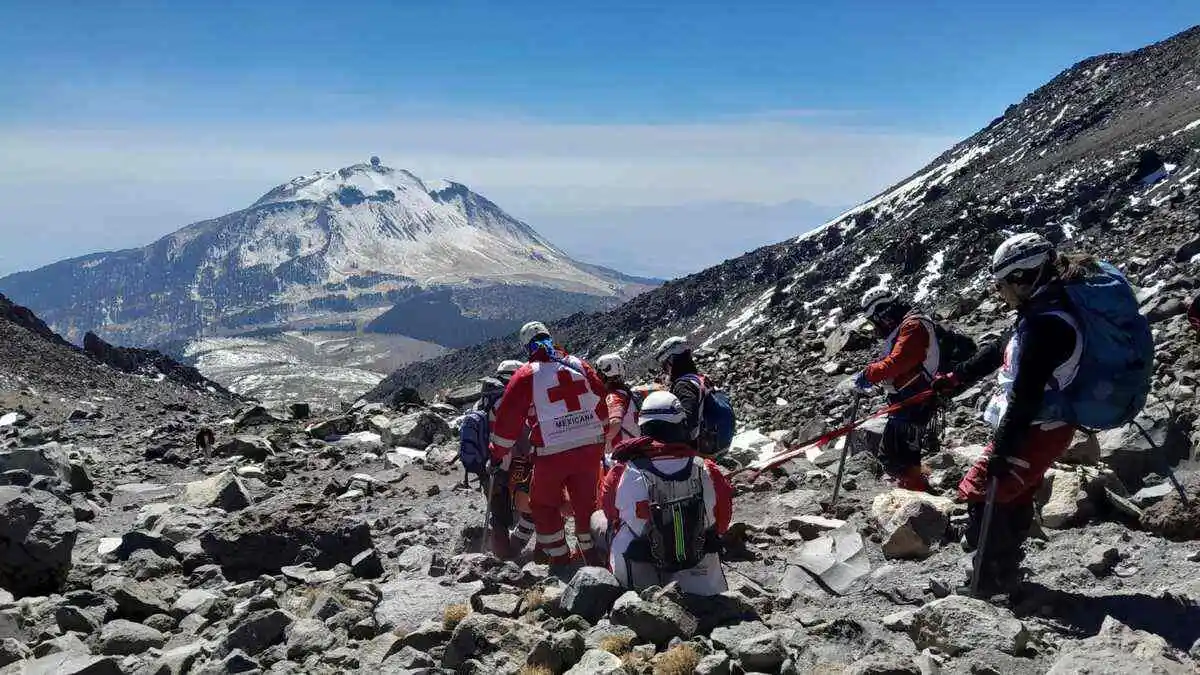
{"x":989,"y":508}
{"x":851,"y":422}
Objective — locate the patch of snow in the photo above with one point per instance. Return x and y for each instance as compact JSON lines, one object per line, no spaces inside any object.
{"x":933,"y":272}
{"x":1060,"y":114}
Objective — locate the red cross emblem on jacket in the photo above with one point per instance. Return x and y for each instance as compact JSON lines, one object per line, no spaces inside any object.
{"x":569,"y":391}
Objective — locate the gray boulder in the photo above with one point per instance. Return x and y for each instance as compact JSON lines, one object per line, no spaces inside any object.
{"x":590,"y":593}
{"x":121,"y":637}
{"x":1117,"y":648}
{"x":255,"y":633}
{"x":254,"y":448}
{"x":37,"y":534}
{"x":44,"y":460}
{"x":913,"y":530}
{"x":66,"y":663}
{"x":308,"y":636}
{"x":597,"y":662}
{"x":957,"y":624}
{"x":416,"y":430}
{"x":223,"y":490}
{"x":282,"y":531}
{"x":11,"y":651}
{"x":657,"y":621}
{"x":761,"y":653}
{"x":492,"y":640}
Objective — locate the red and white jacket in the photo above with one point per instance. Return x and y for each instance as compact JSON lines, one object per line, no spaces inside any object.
{"x":625,"y":501}
{"x":563,"y":404}
{"x":910,"y":356}
{"x":622,"y":418}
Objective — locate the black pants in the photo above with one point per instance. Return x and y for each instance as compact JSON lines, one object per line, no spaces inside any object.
{"x":502,"y":506}
{"x":1003,"y":553}
{"x":907,"y":434}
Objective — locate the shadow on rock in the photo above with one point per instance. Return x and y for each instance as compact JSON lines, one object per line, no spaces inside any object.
{"x":1176,"y":620}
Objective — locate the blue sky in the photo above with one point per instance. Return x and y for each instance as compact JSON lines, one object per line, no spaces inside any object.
{"x":152,"y":117}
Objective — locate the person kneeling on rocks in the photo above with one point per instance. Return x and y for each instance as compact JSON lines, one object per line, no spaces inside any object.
{"x":665,"y":507}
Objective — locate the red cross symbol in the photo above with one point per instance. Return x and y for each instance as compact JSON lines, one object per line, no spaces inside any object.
{"x":568,"y":390}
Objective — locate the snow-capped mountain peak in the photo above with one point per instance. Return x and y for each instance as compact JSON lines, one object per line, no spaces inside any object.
{"x":348,"y":186}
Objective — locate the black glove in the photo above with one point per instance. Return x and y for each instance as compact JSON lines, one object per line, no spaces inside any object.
{"x":945,"y":384}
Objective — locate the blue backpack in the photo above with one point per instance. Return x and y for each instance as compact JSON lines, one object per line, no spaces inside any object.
{"x":475,"y":434}
{"x":717,"y":419}
{"x":1117,"y":360}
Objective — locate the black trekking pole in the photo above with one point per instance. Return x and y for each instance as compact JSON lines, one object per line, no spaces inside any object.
{"x":487,"y":512}
{"x":989,"y":507}
{"x":837,"y":485}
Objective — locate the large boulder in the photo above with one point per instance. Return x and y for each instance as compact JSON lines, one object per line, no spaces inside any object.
{"x":286,"y":530}
{"x":255,"y":632}
{"x":1131,"y":455}
{"x":1173,"y":518}
{"x":913,"y":530}
{"x":591,"y":593}
{"x":1067,"y":501}
{"x":1117,"y":648}
{"x":837,"y":559}
{"x":416,"y":430}
{"x":121,"y":637}
{"x":658,"y":621}
{"x":497,"y":643}
{"x":255,"y":448}
{"x":224,"y":491}
{"x":407,"y":603}
{"x":957,"y":624}
{"x":45,"y":460}
{"x":66,"y":663}
{"x":37,"y":534}
{"x":597,"y":662}
{"x":847,"y":337}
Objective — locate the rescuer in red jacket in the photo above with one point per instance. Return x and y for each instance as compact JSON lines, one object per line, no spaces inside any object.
{"x":906,"y":367}
{"x":561,"y":398}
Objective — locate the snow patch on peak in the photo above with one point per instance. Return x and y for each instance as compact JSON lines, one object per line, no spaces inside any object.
{"x":368,"y":180}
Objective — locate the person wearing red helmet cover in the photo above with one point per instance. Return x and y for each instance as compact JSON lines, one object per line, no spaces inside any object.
{"x":665,"y":508}
{"x":561,"y":398}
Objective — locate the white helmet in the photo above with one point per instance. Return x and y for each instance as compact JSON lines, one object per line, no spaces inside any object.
{"x":670,"y":348}
{"x":611,"y":366}
{"x":661,"y":406}
{"x":875,"y":299}
{"x":506,"y":369}
{"x":1027,"y":251}
{"x":532,"y":330}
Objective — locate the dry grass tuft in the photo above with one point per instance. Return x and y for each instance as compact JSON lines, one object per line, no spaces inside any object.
{"x":454,"y":615}
{"x":535,"y":670}
{"x":534,"y":599}
{"x":678,"y":660}
{"x":616,"y":645}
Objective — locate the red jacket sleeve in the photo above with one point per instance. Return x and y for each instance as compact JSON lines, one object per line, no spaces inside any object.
{"x":511,"y":413}
{"x":617,"y":403}
{"x":598,"y":388}
{"x":723,"y":508}
{"x":608,"y":494}
{"x":907,"y":354}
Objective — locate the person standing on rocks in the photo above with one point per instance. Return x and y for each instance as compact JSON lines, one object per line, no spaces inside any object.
{"x":509,"y":489}
{"x":1032,"y":409}
{"x":684,"y":380}
{"x":906,"y":368}
{"x":664,"y":507}
{"x":561,"y":398}
{"x":622,"y":407}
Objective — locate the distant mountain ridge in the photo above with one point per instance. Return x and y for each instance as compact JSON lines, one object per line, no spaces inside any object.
{"x":326,"y":249}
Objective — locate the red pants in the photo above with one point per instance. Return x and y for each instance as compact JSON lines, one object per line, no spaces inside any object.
{"x":578,"y":471}
{"x":1021,"y":482}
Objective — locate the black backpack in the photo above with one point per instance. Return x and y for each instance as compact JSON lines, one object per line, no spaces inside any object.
{"x":678,"y":534}
{"x":954,"y":348}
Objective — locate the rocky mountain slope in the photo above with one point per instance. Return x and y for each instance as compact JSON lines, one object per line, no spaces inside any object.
{"x":1104,"y":158}
{"x":326,"y":249}
{"x":348,"y":544}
